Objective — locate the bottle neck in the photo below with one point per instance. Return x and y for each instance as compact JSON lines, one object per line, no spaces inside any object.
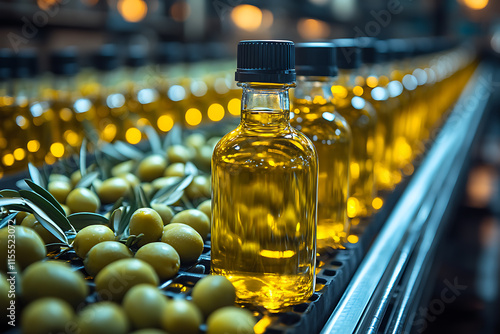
{"x":265,"y":105}
{"x":314,"y":89}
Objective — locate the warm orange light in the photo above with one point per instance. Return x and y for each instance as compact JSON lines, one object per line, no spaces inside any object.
{"x":234,"y":107}
{"x":71,"y":137}
{"x":8,"y":159}
{"x":357,"y":90}
{"x":372,"y":82}
{"x":476,"y":4}
{"x":339,"y":91}
{"x":215,"y":112}
{"x":353,"y":207}
{"x":132,"y":10}
{"x":57,"y":149}
{"x":109,"y":132}
{"x":33,"y":145}
{"x":353,"y":239}
{"x":46,"y":4}
{"x":50,"y":159}
{"x":133,"y":135}
{"x":313,"y":29}
{"x":261,"y":326}
{"x":377,"y":203}
{"x":247,"y":17}
{"x":143,"y":121}
{"x":165,"y":123}
{"x":180,"y":11}
{"x":193,"y":116}
{"x":267,"y":19}
{"x":19,"y":153}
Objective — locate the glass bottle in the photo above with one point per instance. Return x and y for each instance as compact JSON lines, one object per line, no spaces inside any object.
{"x":264,"y":187}
{"x":315,"y":116}
{"x":362,"y":119}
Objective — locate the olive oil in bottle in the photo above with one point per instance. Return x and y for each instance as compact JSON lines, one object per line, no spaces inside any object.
{"x":362,"y":119}
{"x":315,"y":116}
{"x":264,"y":187}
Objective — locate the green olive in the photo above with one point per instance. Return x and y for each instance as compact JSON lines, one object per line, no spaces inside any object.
{"x":165,"y":212}
{"x":162,"y":257}
{"x":60,"y":190}
{"x":54,"y":279}
{"x":66,"y":209}
{"x":20,"y":216}
{"x":206,"y":208}
{"x":187,"y":242}
{"x":31,"y":222}
{"x":103,"y":254}
{"x":90,"y":236}
{"x":231,"y":320}
{"x":179,"y":153}
{"x":175,"y":169}
{"x":112,"y":189}
{"x":123,"y":168}
{"x":83,"y":200}
{"x":181,"y":317}
{"x":148,"y":222}
{"x":195,"y":140}
{"x":59,"y":177}
{"x":165,"y":181}
{"x":5,"y":296}
{"x":114,"y":280}
{"x":76,"y":176}
{"x":103,"y":318}
{"x":172,"y":225}
{"x":194,"y":218}
{"x":131,"y":179}
{"x":212,"y":293}
{"x":144,"y":305}
{"x":47,"y":315}
{"x":149,"y":331}
{"x":151,"y":167}
{"x":204,"y":156}
{"x":148,"y":188}
{"x":200,"y":187}
{"x":29,"y":247}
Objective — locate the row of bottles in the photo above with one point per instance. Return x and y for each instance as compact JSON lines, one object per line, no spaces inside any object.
{"x":44,"y":113}
{"x":290,"y":179}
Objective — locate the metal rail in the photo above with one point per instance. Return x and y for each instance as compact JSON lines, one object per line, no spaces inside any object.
{"x":398,"y":257}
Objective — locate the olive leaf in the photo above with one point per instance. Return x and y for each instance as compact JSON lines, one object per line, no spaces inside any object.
{"x":87,"y":180}
{"x":128,"y":150}
{"x":40,"y":215}
{"x":141,"y":199}
{"x":9,"y":193}
{"x":187,"y":203}
{"x":48,"y":208}
{"x":36,"y":176}
{"x":173,"y":137}
{"x":120,"y":220}
{"x":112,"y":151}
{"x":132,"y":240}
{"x":45,"y":194}
{"x":172,"y":193}
{"x":154,"y":139}
{"x":103,"y":164}
{"x":22,"y":185}
{"x":5,"y":221}
{"x":90,"y":132}
{"x":83,"y":157}
{"x":80,"y":220}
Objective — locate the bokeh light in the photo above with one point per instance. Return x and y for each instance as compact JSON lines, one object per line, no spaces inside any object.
{"x":165,"y":123}
{"x":133,"y":135}
{"x":193,"y":116}
{"x":476,"y":4}
{"x":57,"y":149}
{"x":180,"y":11}
{"x":247,"y":17}
{"x":215,"y":112}
{"x":132,"y":10}
{"x":313,"y":29}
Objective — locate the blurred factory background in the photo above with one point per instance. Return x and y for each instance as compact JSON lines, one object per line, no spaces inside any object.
{"x":87,"y":24}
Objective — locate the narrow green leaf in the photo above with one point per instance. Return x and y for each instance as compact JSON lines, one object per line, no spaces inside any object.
{"x":9,"y":193}
{"x":154,"y":140}
{"x":22,"y":185}
{"x":5,"y":221}
{"x":114,"y":219}
{"x":111,"y":151}
{"x":141,"y":199}
{"x":171,"y":194}
{"x":87,"y":180}
{"x":187,"y":203}
{"x":128,"y":150}
{"x":173,"y":137}
{"x":18,"y":207}
{"x":83,"y":219}
{"x":83,"y":157}
{"x":48,"y":208}
{"x":45,"y":194}
{"x":40,"y":215}
{"x":36,"y":176}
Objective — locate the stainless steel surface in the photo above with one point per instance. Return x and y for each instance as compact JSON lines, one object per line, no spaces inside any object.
{"x":412,"y":224}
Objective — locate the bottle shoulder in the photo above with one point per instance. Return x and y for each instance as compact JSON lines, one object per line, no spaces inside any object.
{"x":286,"y":148}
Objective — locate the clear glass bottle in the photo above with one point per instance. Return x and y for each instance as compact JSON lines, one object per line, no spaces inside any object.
{"x":264,"y":187}
{"x":315,"y":116}
{"x":362,"y":118}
